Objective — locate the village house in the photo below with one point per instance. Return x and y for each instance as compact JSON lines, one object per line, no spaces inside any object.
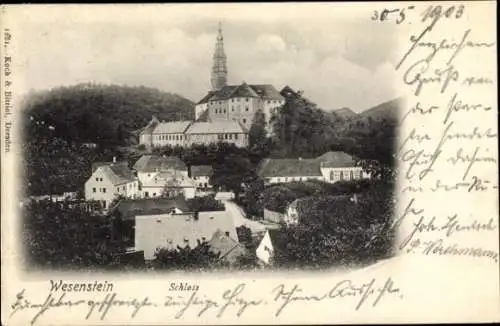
{"x":155,"y":172}
{"x":128,"y":209}
{"x":329,"y":167}
{"x":228,"y":248}
{"x":110,"y":180}
{"x":201,"y":175}
{"x":339,"y":166}
{"x":268,"y":245}
{"x":172,"y":230}
{"x":288,"y":170}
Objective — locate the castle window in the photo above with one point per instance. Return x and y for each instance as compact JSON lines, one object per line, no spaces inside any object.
{"x":93,"y":189}
{"x":352,"y":175}
{"x":246,"y":99}
{"x":341,"y":175}
{"x":246,"y":109}
{"x":225,"y":136}
{"x":361,"y":174}
{"x":244,"y":120}
{"x":224,"y":110}
{"x":331,"y":175}
{"x":235,"y":136}
{"x":96,"y":179}
{"x":104,"y":190}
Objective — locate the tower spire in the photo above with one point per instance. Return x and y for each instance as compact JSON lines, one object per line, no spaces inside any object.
{"x":219,"y":68}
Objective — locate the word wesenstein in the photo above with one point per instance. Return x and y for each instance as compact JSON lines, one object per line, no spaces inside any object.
{"x":81,"y":286}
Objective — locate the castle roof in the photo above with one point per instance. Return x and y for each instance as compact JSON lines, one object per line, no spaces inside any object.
{"x":206,"y":98}
{"x":264,"y":91}
{"x":174,"y":127}
{"x":244,"y":90}
{"x":267,"y":92}
{"x":215,"y":127}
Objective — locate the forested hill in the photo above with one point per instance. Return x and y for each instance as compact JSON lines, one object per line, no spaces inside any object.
{"x":100,"y":113}
{"x":303,"y":130}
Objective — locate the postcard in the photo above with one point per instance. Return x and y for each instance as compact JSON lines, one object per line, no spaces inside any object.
{"x":249,"y":163}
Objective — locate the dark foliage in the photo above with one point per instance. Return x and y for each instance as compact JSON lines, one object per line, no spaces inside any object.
{"x":340,"y":233}
{"x":205,"y":204}
{"x":199,"y":258}
{"x":57,"y":236}
{"x":105,"y":114}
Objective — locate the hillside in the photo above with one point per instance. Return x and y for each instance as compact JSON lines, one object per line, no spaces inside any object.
{"x":100,"y":113}
{"x":345,"y":112}
{"x":389,"y":109}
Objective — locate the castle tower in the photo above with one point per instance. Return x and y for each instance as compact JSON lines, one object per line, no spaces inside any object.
{"x":219,"y":68}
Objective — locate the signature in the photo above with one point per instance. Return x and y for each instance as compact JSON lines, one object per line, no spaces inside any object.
{"x":235,"y":301}
{"x":56,"y":301}
{"x":342,"y":289}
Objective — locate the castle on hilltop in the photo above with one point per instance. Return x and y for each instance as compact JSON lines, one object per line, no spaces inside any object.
{"x":224,"y":114}
{"x":235,"y":102}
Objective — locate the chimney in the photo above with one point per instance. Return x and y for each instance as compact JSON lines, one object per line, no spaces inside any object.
{"x":114,"y":159}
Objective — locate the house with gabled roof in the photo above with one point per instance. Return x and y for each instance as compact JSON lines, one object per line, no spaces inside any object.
{"x":340,"y":166}
{"x":157,"y":173}
{"x":110,"y":180}
{"x":288,"y":170}
{"x":156,"y":231}
{"x":329,"y":167}
{"x":228,"y":248}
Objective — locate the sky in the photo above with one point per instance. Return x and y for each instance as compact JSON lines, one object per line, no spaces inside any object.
{"x":335,"y":54}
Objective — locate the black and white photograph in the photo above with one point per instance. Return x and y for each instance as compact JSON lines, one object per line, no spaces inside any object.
{"x":208,"y":145}
{"x":244,"y":163}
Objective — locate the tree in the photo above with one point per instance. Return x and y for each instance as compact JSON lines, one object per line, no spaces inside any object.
{"x":187,"y":258}
{"x":205,"y":204}
{"x":232,"y":172}
{"x":58,"y":235}
{"x":257,"y":134}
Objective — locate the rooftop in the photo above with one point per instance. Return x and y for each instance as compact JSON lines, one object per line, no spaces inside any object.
{"x":201,"y":170}
{"x":216,"y":127}
{"x":174,"y":127}
{"x":336,"y":160}
{"x":129,"y":208}
{"x":156,"y":163}
{"x":289,"y":167}
{"x":183,"y":229}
